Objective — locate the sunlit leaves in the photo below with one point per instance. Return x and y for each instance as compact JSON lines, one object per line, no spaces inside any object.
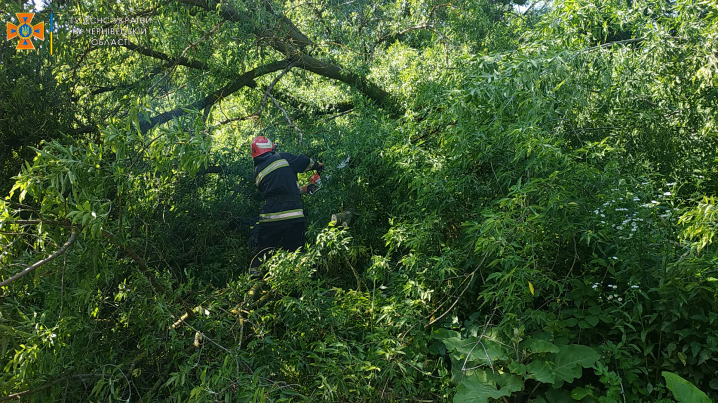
{"x":701,"y":224}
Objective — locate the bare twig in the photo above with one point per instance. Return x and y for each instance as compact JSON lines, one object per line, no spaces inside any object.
{"x":462,"y":292}
{"x":465,"y":277}
{"x":608,"y":44}
{"x":174,"y":64}
{"x":156,"y":286}
{"x":529,"y":9}
{"x":486,"y":326}
{"x":62,"y":286}
{"x":224,"y":122}
{"x":286,"y":116}
{"x":339,"y":114}
{"x":29,"y":269}
{"x":271,"y":87}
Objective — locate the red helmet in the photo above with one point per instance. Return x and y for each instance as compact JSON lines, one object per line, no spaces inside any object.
{"x":261,"y":145}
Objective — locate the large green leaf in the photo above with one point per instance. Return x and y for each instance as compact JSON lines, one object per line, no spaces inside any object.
{"x":509,"y":382}
{"x":684,"y":391}
{"x":486,"y":352}
{"x":482,"y":385}
{"x":541,"y":346}
{"x":569,"y":361}
{"x":541,"y":371}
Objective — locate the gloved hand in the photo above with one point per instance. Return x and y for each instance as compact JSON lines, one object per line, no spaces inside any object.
{"x":320,"y":167}
{"x":311,"y":188}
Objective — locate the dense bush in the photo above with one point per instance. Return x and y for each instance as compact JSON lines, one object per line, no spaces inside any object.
{"x":533,"y":212}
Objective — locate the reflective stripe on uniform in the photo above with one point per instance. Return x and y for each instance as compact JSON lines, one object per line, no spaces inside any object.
{"x":281,"y":215}
{"x":310,"y":166}
{"x":273,"y":166}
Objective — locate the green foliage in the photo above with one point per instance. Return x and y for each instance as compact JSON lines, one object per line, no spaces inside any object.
{"x":517,"y":366}
{"x":533,"y":219}
{"x":700,"y":223}
{"x":684,"y":391}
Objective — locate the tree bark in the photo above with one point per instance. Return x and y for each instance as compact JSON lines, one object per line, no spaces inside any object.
{"x":30,"y":269}
{"x":291,"y":42}
{"x":183,"y":61}
{"x":287,"y":30}
{"x":244,"y":80}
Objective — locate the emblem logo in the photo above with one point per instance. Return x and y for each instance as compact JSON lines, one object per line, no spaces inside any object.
{"x":25,"y":31}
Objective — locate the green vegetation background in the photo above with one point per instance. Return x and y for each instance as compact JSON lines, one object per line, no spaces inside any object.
{"x":532,"y":190}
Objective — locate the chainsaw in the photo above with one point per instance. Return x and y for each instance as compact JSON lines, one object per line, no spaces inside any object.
{"x":316,"y":179}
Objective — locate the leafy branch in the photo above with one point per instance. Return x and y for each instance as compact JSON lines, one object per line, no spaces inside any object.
{"x":29,"y":269}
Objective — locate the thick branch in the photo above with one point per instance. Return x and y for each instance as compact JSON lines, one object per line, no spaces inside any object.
{"x":245,"y":80}
{"x":288,"y":30}
{"x":339,"y":73}
{"x":289,"y":41}
{"x":146,"y":272}
{"x":140,"y":262}
{"x":224,"y":122}
{"x":609,"y":44}
{"x":287,"y":98}
{"x":29,"y":269}
{"x":195,"y":64}
{"x":213,"y":169}
{"x":153,"y":72}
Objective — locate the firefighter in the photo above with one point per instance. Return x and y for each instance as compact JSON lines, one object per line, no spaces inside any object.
{"x":281,"y":220}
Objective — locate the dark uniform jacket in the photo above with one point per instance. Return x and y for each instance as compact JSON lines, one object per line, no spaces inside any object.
{"x":276,"y":177}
